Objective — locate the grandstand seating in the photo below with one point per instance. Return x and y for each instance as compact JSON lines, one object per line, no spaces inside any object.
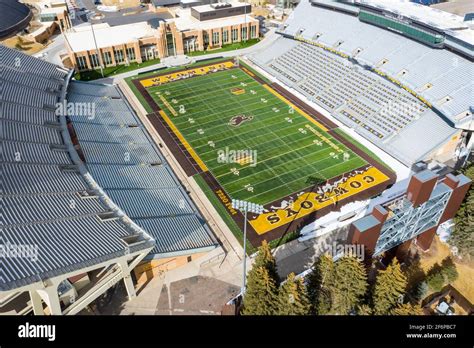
{"x":49,"y":191}
{"x":351,"y":91}
{"x":347,"y":90}
{"x":414,"y":64}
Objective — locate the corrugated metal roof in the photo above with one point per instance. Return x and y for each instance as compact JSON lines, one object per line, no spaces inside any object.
{"x":39,"y":178}
{"x":150,"y":194}
{"x":181,"y":233}
{"x":29,"y":133}
{"x":124,"y":154}
{"x":44,"y":218}
{"x":110,"y":134}
{"x":26,"y":114}
{"x":151,"y":203}
{"x":133,"y":176}
{"x":14,"y":151}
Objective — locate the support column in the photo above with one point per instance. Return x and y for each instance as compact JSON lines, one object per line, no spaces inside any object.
{"x":127,"y":280}
{"x":366,"y":230}
{"x":425,"y":239}
{"x":36,"y":302}
{"x":52,"y":299}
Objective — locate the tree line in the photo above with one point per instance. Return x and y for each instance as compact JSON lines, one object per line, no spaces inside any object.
{"x":332,"y":288}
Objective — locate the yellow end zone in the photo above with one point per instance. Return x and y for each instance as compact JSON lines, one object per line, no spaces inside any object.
{"x":308,"y":117}
{"x":310,"y":202}
{"x":158,"y":80}
{"x":183,"y":141}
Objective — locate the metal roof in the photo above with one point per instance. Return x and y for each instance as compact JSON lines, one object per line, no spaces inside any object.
{"x":143,"y":186}
{"x":50,"y":223}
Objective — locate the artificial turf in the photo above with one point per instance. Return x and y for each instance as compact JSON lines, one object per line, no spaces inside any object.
{"x":289,"y":156}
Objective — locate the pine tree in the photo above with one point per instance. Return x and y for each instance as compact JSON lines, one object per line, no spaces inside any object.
{"x":261,"y":293}
{"x":463,"y":234}
{"x":449,"y":270}
{"x":421,"y":291}
{"x":389,"y":288}
{"x":407,"y":309}
{"x":292,"y":297}
{"x":349,"y":284}
{"x":435,"y":281}
{"x":265,"y":259}
{"x":364,"y":309}
{"x":319,"y":285}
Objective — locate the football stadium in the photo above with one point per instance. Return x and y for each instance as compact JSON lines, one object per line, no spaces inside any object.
{"x":321,"y":125}
{"x":251,"y":140}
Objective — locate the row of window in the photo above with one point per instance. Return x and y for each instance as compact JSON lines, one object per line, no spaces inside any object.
{"x":119,"y":54}
{"x":106,"y":57}
{"x":234,"y":35}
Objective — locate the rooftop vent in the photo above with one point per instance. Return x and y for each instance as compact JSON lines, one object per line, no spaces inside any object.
{"x":69,"y":168}
{"x":85,"y":194}
{"x":58,"y":147}
{"x":133,"y":240}
{"x":107,"y":216}
{"x":219,"y":5}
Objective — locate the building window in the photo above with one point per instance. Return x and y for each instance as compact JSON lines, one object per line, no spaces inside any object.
{"x":94,"y":58}
{"x":205,"y":36}
{"x":215,"y":38}
{"x":131,"y":53}
{"x":235,"y":35}
{"x":118,"y":56}
{"x":81,"y":62}
{"x":48,"y":17}
{"x":225,"y":36}
{"x":244,"y":33}
{"x":107,"y":58}
{"x":253,"y":31}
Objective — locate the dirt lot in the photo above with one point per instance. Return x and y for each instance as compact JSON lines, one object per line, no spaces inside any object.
{"x":121,"y":3}
{"x":440,"y":251}
{"x":25,"y":47}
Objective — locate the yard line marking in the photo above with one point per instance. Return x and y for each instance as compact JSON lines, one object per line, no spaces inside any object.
{"x":183,"y":141}
{"x":168,"y":105}
{"x":289,"y":182}
{"x":271,"y":90}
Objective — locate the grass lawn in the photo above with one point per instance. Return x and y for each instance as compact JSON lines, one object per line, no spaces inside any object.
{"x":229,"y":111}
{"x":362,"y":147}
{"x":225,"y":48}
{"x":113,"y":70}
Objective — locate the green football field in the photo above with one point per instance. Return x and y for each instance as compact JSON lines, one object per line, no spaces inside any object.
{"x":255,"y":144}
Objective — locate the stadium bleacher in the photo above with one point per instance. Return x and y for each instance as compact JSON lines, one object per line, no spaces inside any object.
{"x":352,"y":92}
{"x":446,"y":72}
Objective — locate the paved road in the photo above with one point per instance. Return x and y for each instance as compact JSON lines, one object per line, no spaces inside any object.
{"x":298,"y":256}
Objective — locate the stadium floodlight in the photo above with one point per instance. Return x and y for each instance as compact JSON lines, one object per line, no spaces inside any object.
{"x":246,"y":207}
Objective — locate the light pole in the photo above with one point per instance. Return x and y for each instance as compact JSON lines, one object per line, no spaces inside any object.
{"x":246,"y":207}
{"x":245,"y":19}
{"x":99,"y":55}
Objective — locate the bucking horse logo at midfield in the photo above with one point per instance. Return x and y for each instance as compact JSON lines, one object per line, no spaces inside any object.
{"x":239,"y":119}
